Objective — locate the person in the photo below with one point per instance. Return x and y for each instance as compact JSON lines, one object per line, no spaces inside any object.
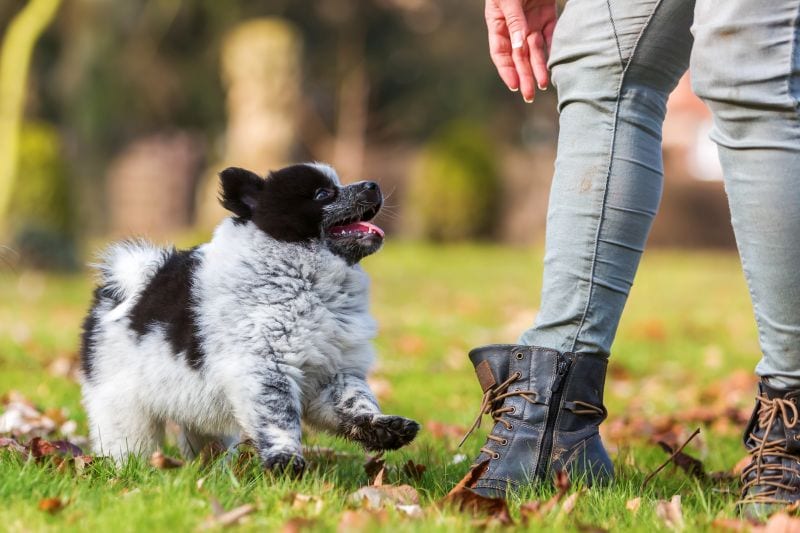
{"x":614,"y":64}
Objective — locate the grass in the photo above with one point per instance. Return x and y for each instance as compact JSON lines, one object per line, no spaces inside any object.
{"x":688,"y":325}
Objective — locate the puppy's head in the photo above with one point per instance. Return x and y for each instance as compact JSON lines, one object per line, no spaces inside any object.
{"x":304,"y":202}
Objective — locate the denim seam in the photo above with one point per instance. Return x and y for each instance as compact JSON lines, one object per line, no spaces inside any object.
{"x":625,"y":65}
{"x":791,"y":82}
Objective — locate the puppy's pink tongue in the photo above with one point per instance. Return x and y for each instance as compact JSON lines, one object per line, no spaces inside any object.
{"x":360,"y":227}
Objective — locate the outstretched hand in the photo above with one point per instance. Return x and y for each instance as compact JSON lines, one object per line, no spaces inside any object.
{"x":520,"y":34}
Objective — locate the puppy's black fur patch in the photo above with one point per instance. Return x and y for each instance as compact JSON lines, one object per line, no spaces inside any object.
{"x":87,"y":336}
{"x":282,"y":205}
{"x":167,"y":302}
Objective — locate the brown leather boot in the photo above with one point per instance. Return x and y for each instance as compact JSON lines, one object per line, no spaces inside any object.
{"x":772,"y":479}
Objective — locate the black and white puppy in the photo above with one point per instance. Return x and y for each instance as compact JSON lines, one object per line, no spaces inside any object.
{"x":245,"y":335}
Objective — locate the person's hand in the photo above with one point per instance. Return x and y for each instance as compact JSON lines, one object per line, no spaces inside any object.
{"x":520,"y":34}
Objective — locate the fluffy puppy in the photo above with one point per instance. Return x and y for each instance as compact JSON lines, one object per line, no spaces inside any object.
{"x":245,"y":335}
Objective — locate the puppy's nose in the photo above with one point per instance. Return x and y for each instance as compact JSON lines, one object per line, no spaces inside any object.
{"x":370,"y":191}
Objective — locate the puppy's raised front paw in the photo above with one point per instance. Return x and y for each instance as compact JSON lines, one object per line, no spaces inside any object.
{"x":285,"y":463}
{"x":383,"y":432}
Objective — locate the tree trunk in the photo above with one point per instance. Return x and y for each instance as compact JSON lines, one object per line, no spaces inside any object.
{"x":15,"y":59}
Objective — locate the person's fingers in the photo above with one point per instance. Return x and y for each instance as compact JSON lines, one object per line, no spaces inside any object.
{"x":500,"y":52}
{"x":538,"y":59}
{"x":547,"y":32}
{"x":518,"y":32}
{"x":500,"y":45}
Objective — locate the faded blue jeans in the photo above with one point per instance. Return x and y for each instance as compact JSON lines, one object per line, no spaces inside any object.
{"x":614,"y":64}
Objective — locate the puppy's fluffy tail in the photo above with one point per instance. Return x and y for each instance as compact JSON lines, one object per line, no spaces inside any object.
{"x":126,"y":267}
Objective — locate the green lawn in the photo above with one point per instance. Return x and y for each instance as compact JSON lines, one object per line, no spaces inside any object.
{"x":688,"y":327}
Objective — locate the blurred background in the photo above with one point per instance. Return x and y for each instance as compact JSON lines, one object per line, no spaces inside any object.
{"x":115,"y":117}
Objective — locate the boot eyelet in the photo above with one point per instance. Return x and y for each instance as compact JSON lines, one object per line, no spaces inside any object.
{"x":517,"y":375}
{"x":797,"y":436}
{"x":514,"y":410}
{"x":519,"y":355}
{"x":510,"y":428}
{"x":504,"y":442}
{"x":495,"y":455}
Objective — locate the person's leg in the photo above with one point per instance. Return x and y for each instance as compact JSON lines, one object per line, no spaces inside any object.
{"x":614,"y":64}
{"x":746,"y":67}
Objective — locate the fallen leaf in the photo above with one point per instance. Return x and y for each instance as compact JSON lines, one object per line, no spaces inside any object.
{"x":376,"y":497}
{"x":440,"y":430}
{"x":51,"y":505}
{"x":684,"y":461}
{"x":229,"y":518}
{"x":464,"y":499}
{"x":781,"y":523}
{"x":360,"y":520}
{"x":164,"y":462}
{"x":671,"y":513}
{"x":741,"y":464}
{"x":414,"y":470}
{"x":633,"y":505}
{"x":304,"y":501}
{"x":569,"y":503}
{"x":298,"y":524}
{"x":731,"y":524}
{"x":12,"y":445}
{"x":412,"y":511}
{"x":374,"y":466}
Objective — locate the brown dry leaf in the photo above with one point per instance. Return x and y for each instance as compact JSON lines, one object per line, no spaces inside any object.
{"x":570,"y":501}
{"x":304,"y":501}
{"x":671,"y":513}
{"x":298,"y":524}
{"x":633,"y":505}
{"x":229,"y":518}
{"x":684,"y":461}
{"x":374,"y":466}
{"x":51,"y":505}
{"x":440,"y":430}
{"x":81,"y":462}
{"x":164,"y":462}
{"x":740,"y":465}
{"x":376,"y":497}
{"x":380,"y":387}
{"x":12,"y":445}
{"x":463,"y":498}
{"x":411,"y":344}
{"x":360,"y":520}
{"x":731,"y":524}
{"x":781,"y":523}
{"x":414,"y":470}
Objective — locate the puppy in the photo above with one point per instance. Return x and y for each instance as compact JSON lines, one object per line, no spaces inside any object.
{"x":245,"y":335}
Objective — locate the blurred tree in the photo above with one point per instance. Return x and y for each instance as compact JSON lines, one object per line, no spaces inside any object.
{"x":15,"y":56}
{"x":455,"y":187}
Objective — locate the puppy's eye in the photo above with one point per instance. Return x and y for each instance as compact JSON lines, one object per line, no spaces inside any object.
{"x":323,"y":194}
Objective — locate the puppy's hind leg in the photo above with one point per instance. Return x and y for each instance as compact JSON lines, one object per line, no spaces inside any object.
{"x":194,"y":443}
{"x":346,"y":406}
{"x":118,"y":429}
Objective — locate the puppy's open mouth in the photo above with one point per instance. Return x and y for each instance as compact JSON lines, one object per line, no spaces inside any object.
{"x":356,"y":227}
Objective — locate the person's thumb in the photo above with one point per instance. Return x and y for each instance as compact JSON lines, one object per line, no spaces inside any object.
{"x":515,"y":21}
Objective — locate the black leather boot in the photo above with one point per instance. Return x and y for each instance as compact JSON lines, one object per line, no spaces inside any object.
{"x":772,"y":479}
{"x":546,"y":408}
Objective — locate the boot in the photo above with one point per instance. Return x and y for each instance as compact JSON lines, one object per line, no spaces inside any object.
{"x":772,"y":479}
{"x":546,"y":408}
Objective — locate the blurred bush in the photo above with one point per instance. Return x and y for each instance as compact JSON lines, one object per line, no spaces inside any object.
{"x":41,"y":214}
{"x":454,"y":189}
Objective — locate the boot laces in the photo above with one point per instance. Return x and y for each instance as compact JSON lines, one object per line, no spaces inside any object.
{"x":770,"y":411}
{"x":492,"y":404}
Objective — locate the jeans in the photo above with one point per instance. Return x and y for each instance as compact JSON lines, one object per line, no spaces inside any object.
{"x":614,"y":63}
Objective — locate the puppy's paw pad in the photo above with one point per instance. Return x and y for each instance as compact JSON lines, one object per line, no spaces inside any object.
{"x":384,"y":432}
{"x":284,"y":463}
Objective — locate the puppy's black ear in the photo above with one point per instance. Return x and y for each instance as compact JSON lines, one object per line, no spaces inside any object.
{"x":240,"y":190}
